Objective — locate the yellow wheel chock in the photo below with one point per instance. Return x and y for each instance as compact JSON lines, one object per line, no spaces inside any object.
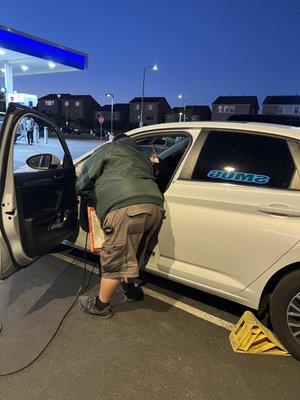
{"x":250,"y":336}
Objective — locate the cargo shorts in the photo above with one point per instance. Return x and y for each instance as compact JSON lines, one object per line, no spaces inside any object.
{"x":130,"y":235}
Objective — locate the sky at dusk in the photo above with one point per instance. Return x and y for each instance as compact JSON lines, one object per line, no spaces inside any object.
{"x":203,"y":48}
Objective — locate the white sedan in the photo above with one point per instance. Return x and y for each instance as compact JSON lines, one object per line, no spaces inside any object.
{"x":233,"y":210}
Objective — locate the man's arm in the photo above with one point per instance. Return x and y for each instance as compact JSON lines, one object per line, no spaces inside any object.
{"x":91,"y":171}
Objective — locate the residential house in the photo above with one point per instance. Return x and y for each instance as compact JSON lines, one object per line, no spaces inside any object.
{"x":121,"y":115}
{"x":281,"y":105}
{"x":192,"y":113}
{"x":225,"y":106}
{"x":154,"y":110}
{"x":72,"y":107}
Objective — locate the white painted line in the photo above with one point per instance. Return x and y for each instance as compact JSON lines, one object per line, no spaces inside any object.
{"x":166,"y":299}
{"x":189,"y":309}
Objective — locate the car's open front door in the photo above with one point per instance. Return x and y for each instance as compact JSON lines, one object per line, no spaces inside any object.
{"x":37,"y":190}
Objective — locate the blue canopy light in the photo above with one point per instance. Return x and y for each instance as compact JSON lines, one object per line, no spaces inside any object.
{"x":31,"y":55}
{"x":23,"y":54}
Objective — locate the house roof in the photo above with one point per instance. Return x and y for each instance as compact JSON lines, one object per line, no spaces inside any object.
{"x":192,"y":109}
{"x":117,"y":107}
{"x":148,"y":99}
{"x":53,"y":96}
{"x":68,"y":96}
{"x":282,"y":100}
{"x":237,"y":100}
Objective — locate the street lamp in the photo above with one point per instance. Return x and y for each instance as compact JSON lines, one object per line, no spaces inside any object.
{"x":154,"y":68}
{"x":111,"y":112}
{"x":66,"y":107}
{"x":180,"y":96}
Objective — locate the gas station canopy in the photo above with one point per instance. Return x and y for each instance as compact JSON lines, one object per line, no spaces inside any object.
{"x":31,"y":55}
{"x":23,"y":54}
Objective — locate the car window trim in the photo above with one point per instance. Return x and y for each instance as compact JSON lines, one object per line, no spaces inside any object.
{"x":159,"y":132}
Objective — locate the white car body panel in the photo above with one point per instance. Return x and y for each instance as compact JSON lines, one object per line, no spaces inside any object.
{"x":232,"y":242}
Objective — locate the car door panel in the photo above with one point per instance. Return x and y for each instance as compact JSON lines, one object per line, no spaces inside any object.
{"x":46,"y":207}
{"x":39,"y":207}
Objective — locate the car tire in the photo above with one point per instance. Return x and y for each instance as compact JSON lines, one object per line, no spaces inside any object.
{"x":284,"y":301}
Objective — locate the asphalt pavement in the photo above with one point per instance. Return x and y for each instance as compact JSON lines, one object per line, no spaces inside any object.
{"x":148,"y":350}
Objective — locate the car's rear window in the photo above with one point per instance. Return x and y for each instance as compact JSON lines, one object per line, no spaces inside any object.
{"x":245,"y":159}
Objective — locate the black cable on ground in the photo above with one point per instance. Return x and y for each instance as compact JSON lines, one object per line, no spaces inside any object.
{"x":80,"y":290}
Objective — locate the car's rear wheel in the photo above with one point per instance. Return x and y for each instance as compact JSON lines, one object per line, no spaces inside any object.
{"x":285,"y":312}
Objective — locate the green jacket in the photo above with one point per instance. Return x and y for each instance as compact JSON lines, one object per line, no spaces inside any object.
{"x":118,"y":174}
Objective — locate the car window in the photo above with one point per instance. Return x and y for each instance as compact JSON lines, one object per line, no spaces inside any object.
{"x":158,"y":143}
{"x":146,"y":141}
{"x":245,"y":159}
{"x":166,"y":152}
{"x":34,"y":136}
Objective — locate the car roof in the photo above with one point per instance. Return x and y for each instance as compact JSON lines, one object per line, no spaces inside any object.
{"x":291,"y":132}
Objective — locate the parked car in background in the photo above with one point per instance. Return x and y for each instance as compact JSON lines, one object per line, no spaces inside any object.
{"x":232,"y":195}
{"x":105,"y":133}
{"x":68,"y":129}
{"x":291,"y":120}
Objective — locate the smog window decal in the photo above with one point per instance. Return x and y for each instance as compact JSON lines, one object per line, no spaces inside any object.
{"x":237,"y":176}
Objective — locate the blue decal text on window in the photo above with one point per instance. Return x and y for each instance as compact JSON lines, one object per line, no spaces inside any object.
{"x":239,"y":176}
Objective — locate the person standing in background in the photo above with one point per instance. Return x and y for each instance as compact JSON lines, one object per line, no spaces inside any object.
{"x":29,"y":125}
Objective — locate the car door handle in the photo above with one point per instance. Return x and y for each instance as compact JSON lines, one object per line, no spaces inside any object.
{"x":58,"y":177}
{"x":279,"y":209}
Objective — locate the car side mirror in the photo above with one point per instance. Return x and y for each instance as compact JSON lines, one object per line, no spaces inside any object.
{"x":43,"y":161}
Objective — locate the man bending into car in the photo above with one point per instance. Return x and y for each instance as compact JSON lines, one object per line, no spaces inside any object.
{"x":129,"y":205}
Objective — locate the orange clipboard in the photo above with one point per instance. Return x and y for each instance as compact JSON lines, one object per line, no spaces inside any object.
{"x":94,"y":231}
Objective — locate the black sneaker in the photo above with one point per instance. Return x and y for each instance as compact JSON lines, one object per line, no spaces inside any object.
{"x":88,"y":305}
{"x":132,"y":292}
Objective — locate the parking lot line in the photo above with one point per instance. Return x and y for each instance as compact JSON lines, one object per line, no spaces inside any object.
{"x":189,"y":309}
{"x":167,"y":299}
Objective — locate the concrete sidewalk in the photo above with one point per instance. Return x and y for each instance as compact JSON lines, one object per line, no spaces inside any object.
{"x":22,"y":151}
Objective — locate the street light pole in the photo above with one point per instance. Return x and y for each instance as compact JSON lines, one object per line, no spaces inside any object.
{"x":111,"y":112}
{"x":154,"y":68}
{"x":180,"y":96}
{"x":66,"y":106}
{"x":8,"y":80}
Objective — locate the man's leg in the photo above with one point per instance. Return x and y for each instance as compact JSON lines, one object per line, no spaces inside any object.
{"x":124,"y":229}
{"x":99,"y":304}
{"x":112,"y":260}
{"x":108,"y":286}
